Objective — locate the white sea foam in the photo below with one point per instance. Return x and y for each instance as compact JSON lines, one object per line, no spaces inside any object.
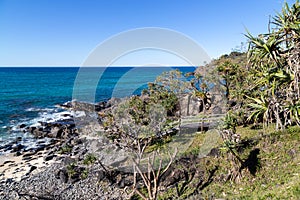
{"x":49,"y":115}
{"x":79,"y":114}
{"x":34,"y":109}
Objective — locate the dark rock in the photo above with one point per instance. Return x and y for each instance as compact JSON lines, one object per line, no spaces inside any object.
{"x":54,"y":141}
{"x":55,"y":132}
{"x":214,"y":152}
{"x":174,"y":177}
{"x":48,"y":157}
{"x":126,"y":181}
{"x":32,"y":168}
{"x":18,"y":153}
{"x":63,"y":175}
{"x":22,"y":126}
{"x":66,"y":115}
{"x":28,"y":154}
{"x":102,"y":105}
{"x":75,"y":178}
{"x":31,"y":129}
{"x":66,"y":105}
{"x":50,"y":152}
{"x":101,"y":175}
{"x":192,"y":128}
{"x":8,"y":148}
{"x":8,"y":161}
{"x":43,"y":123}
{"x":38,"y":132}
{"x":41,"y":142}
{"x":76,"y":150}
{"x":68,"y":160}
{"x":17,"y":147}
{"x":41,"y":147}
{"x":27,"y":158}
{"x":9,"y":180}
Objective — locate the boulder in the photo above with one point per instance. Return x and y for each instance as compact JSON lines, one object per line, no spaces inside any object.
{"x":48,"y":157}
{"x":190,"y":105}
{"x":63,"y":175}
{"x":55,"y":132}
{"x":39,"y":133}
{"x":31,"y":129}
{"x":32,"y":168}
{"x":22,"y":126}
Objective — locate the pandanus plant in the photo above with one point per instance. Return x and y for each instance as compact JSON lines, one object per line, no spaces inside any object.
{"x":275,"y":59}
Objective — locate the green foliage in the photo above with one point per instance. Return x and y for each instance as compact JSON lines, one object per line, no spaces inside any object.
{"x":294,"y":129}
{"x":89,"y":159}
{"x":84,"y":174}
{"x":277,"y":152}
{"x":173,"y":81}
{"x":161,"y":95}
{"x":74,"y":171}
{"x":274,"y":60}
{"x":65,"y":149}
{"x":71,"y":169}
{"x":137,"y":109}
{"x":230,"y":121}
{"x":260,"y":109}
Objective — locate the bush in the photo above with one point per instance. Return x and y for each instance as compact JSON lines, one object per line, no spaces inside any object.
{"x":89,"y":159}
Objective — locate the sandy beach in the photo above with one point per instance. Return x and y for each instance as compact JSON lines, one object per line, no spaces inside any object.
{"x":16,"y":167}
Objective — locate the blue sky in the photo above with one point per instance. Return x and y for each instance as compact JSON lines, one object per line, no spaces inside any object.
{"x":64,"y":32}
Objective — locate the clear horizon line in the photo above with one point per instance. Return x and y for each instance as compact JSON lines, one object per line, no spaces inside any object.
{"x":97,"y":66}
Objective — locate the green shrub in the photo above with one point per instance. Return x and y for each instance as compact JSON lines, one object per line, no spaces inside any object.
{"x":84,"y":174}
{"x":89,"y":159}
{"x":65,"y":149}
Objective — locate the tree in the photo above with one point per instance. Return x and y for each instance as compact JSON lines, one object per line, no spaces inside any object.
{"x":275,"y":64}
{"x":139,"y":125}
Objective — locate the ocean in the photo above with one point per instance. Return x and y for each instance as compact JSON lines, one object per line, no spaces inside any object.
{"x":31,"y":94}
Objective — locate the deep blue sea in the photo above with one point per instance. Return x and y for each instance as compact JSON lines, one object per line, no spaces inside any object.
{"x":29,"y":95}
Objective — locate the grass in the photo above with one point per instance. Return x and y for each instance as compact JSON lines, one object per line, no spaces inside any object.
{"x":278,"y":168}
{"x":202,"y":143}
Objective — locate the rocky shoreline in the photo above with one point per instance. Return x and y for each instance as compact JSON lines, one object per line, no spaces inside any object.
{"x":64,"y":176}
{"x":59,"y":145}
{"x":70,"y":165}
{"x":75,"y":163}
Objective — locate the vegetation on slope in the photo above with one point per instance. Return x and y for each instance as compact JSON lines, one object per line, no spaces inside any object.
{"x":257,"y":155}
{"x":270,"y":170}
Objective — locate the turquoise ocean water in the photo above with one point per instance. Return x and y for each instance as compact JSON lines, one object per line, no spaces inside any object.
{"x":30,"y":94}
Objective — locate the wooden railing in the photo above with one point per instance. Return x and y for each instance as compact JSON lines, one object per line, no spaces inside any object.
{"x":204,"y":120}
